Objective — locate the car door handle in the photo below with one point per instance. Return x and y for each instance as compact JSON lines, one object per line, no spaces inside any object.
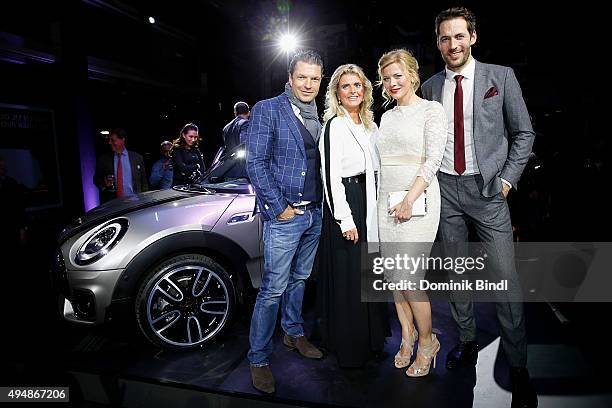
{"x":240,"y":218}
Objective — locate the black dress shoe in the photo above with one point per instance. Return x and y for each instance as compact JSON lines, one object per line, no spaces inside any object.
{"x":523,"y":394}
{"x":465,"y":353}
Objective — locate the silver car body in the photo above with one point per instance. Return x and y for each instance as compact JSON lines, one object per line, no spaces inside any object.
{"x":154,"y":217}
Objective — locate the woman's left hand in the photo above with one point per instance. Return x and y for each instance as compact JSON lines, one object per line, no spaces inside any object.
{"x":351,"y":235}
{"x":402,"y":211}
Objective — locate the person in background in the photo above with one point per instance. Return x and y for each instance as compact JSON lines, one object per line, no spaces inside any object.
{"x":12,"y":208}
{"x":234,"y":133}
{"x":121,"y":173}
{"x":161,"y":172}
{"x":187,"y":160}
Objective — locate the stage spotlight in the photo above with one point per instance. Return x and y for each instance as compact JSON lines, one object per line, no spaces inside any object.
{"x":151,"y":20}
{"x":288,"y":42}
{"x":104,"y":132}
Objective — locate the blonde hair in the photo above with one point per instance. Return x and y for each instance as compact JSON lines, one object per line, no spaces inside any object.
{"x":409,"y":64}
{"x":332,"y":104}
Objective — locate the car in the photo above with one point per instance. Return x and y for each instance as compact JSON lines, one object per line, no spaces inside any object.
{"x":180,"y":261}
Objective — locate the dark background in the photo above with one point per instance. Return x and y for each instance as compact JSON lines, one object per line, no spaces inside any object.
{"x":101,"y":64}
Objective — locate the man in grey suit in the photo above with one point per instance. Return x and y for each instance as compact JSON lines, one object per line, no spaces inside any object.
{"x":490,"y":139}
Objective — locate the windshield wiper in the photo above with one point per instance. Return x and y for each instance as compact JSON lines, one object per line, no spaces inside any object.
{"x":201,"y":188}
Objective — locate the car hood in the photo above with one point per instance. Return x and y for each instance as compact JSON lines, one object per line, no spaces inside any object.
{"x":121,"y":206}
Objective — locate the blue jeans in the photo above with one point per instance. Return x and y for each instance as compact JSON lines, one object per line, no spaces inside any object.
{"x":289,"y":252}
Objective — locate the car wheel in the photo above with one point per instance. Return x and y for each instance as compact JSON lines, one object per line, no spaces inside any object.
{"x":184,"y":302}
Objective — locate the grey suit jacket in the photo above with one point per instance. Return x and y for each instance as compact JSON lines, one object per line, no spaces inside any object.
{"x":502,"y":130}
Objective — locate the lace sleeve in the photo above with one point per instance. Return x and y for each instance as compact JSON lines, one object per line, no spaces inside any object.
{"x":435,"y":140}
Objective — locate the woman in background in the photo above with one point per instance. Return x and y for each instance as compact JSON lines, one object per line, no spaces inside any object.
{"x":187,"y":160}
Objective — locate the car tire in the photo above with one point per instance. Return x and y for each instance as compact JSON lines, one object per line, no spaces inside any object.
{"x":185,"y":302}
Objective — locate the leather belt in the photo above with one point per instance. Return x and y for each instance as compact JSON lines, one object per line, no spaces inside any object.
{"x":309,"y":206}
{"x":360,"y":178}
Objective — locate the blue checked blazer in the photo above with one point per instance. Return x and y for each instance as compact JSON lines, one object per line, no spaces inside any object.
{"x":276,"y":158}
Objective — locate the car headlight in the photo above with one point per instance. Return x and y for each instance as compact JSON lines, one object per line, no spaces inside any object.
{"x":101,"y":241}
{"x":240,"y":154}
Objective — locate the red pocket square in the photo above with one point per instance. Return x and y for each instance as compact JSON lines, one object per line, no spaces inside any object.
{"x":491,"y":92}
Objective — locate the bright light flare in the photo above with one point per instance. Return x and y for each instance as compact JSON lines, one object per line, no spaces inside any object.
{"x":288,"y":42}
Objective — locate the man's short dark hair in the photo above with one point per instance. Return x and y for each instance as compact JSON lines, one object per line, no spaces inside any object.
{"x":307,"y":56}
{"x":457,"y":12}
{"x":241,"y":108}
{"x":121,"y":134}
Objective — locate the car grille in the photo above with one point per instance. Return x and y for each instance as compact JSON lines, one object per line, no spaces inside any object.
{"x":84,"y":305}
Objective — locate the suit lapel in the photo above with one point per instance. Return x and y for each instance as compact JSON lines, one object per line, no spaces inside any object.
{"x":133,"y":168}
{"x":292,"y":122}
{"x":479,"y":90}
{"x":436,"y":89}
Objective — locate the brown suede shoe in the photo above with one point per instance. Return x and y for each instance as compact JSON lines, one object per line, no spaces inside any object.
{"x":262,"y":378}
{"x":302,"y":345}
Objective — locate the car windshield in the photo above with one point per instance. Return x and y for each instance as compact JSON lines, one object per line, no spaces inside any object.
{"x":228,"y":172}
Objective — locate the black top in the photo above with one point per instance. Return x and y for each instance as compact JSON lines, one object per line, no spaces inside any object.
{"x":188,"y":165}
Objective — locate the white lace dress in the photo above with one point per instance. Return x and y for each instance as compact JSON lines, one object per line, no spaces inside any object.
{"x":411,"y":143}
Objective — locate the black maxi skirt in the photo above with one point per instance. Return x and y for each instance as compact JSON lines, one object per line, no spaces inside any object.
{"x":353,"y":330}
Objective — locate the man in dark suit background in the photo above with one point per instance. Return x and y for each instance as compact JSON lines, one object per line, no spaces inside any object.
{"x":490,"y":139}
{"x":234,"y":133}
{"x":120,"y":173}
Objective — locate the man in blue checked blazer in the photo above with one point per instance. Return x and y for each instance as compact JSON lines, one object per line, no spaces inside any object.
{"x":284,"y":167}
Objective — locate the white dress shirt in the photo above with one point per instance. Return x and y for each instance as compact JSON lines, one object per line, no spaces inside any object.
{"x":296,"y":110}
{"x":448,"y":101}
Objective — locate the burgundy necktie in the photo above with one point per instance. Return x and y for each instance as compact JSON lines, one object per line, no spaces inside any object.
{"x":119,"y":177}
{"x":459,"y":141}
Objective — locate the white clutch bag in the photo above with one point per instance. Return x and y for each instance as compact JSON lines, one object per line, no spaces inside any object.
{"x":419,"y":208}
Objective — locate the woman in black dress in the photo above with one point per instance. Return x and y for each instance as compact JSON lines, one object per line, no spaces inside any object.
{"x":187,"y":160}
{"x":353,"y":330}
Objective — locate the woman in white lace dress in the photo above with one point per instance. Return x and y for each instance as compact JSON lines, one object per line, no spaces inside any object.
{"x":411,"y":145}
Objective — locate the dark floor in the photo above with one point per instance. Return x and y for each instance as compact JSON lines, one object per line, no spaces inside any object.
{"x":111,"y":366}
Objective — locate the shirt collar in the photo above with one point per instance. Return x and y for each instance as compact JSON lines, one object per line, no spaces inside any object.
{"x":296,"y":110}
{"x":467,"y":71}
{"x":122,"y":154}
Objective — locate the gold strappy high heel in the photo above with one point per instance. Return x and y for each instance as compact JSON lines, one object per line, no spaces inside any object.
{"x":429,"y":353}
{"x":403,"y":361}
